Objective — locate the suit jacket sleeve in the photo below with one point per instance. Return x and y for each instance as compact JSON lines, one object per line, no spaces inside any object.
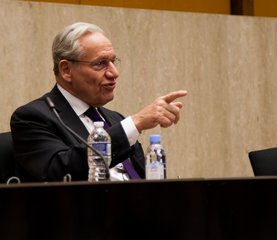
{"x":44,"y":150}
{"x":121,"y":149}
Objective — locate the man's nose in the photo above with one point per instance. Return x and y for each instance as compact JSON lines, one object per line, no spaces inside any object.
{"x":112,"y":71}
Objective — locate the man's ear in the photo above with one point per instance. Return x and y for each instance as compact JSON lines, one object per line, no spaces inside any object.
{"x":65,"y":69}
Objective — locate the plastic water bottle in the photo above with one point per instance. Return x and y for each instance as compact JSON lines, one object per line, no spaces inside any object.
{"x":155,"y":159}
{"x":100,"y":140}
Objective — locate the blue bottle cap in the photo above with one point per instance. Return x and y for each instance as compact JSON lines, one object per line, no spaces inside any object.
{"x":155,"y":138}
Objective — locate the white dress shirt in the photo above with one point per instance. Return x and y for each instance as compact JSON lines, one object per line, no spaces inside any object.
{"x":118,"y":172}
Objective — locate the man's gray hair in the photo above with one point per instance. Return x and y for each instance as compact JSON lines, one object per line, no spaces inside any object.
{"x":66,"y":44}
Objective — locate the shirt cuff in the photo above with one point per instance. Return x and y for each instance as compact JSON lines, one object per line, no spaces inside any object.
{"x":130,"y":130}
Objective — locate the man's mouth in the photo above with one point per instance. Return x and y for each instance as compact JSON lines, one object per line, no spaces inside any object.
{"x":109,"y":86}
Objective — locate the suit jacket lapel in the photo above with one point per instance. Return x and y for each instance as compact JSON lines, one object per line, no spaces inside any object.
{"x":110,"y":118}
{"x":67,"y":114}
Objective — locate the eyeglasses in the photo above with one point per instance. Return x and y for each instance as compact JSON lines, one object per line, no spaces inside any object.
{"x":99,"y":64}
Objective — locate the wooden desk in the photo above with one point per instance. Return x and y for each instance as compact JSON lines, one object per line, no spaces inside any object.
{"x":197,"y":209}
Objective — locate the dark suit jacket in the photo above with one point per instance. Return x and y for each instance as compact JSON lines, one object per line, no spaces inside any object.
{"x":46,"y":151}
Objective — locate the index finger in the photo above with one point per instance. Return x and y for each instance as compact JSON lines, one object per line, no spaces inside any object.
{"x":174,"y":95}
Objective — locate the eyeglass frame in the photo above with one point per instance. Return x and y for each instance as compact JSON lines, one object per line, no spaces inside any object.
{"x":96,"y":63}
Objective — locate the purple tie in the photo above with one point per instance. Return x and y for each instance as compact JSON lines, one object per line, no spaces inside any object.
{"x":93,"y":114}
{"x":130,"y":169}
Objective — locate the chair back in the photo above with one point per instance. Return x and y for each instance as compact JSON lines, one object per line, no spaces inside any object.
{"x":264,"y":162}
{"x":7,"y":162}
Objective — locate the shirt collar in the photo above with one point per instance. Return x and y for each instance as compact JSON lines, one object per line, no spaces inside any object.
{"x":77,"y":104}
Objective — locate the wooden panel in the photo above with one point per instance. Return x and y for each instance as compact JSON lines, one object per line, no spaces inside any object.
{"x":265,"y":8}
{"x":221,"y":209}
{"x":206,"y":6}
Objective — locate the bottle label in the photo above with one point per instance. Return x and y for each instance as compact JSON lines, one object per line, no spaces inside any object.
{"x":155,"y":170}
{"x":103,"y":148}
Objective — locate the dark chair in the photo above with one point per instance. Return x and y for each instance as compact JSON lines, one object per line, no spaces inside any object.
{"x":7,"y":162}
{"x":264,"y":162}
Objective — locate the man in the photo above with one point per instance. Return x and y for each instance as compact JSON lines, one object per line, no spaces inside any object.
{"x":86,"y":75}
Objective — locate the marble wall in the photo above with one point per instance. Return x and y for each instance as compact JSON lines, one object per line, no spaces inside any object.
{"x":227,"y":63}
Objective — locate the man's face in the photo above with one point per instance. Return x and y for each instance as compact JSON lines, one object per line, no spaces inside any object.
{"x":95,"y":82}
